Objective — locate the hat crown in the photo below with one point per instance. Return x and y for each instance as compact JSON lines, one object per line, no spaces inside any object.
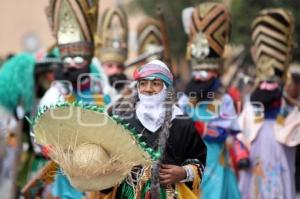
{"x":149,"y":37}
{"x":113,"y":35}
{"x":211,"y":24}
{"x":272,"y":42}
{"x":159,"y":63}
{"x":73,"y":21}
{"x":89,"y":155}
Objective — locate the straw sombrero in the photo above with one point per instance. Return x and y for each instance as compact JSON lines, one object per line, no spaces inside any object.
{"x":94,"y":150}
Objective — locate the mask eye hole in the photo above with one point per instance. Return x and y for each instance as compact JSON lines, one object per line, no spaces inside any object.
{"x":203,"y":74}
{"x":67,"y":60}
{"x":78,"y":60}
{"x":109,"y":65}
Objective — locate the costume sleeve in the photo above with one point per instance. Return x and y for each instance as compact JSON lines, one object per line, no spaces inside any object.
{"x":194,"y":154}
{"x":215,"y":134}
{"x":194,"y":149}
{"x":210,"y":133}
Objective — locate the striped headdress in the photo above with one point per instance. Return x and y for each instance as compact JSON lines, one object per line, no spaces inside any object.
{"x":114,"y":36}
{"x":209,"y":32}
{"x":152,"y":70}
{"x":272,"y":42}
{"x":149,"y":38}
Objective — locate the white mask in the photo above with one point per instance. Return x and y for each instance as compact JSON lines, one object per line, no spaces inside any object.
{"x":150,"y":110}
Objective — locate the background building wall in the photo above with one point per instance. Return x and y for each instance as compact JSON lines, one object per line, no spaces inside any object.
{"x":21,"y":19}
{"x":18,"y":20}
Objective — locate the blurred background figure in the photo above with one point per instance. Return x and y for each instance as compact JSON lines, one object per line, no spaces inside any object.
{"x":23,"y":78}
{"x":292,"y":91}
{"x":113,"y":50}
{"x":267,"y":123}
{"x":292,"y":86}
{"x":149,"y":44}
{"x":208,"y":26}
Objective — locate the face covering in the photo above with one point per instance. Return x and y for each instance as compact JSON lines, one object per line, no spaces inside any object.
{"x":150,"y":110}
{"x":201,"y":88}
{"x":266,"y":97}
{"x":118,"y":81}
{"x":70,"y":74}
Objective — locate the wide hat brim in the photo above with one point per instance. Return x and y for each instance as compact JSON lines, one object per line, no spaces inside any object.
{"x":68,"y":126}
